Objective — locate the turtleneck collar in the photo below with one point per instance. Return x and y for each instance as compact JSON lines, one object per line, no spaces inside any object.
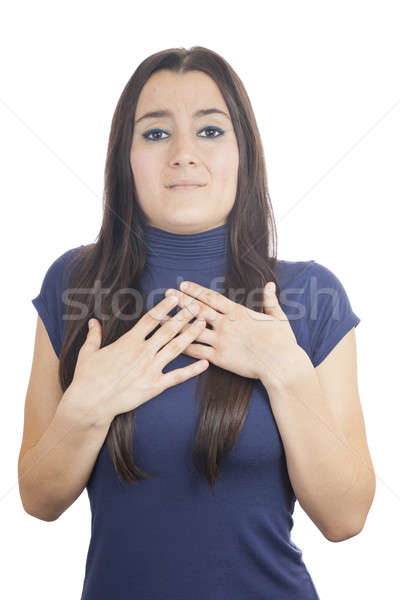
{"x":194,"y":250}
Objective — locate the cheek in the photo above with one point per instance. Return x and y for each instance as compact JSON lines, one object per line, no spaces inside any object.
{"x":225,"y":164}
{"x":144,"y":168}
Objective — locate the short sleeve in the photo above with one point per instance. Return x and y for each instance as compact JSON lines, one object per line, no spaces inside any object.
{"x":329,"y":312}
{"x":48,"y":302}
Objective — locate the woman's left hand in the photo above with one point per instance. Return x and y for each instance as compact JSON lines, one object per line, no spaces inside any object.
{"x":249,"y":343}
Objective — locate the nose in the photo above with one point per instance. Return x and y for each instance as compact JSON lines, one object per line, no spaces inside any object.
{"x":183,"y":152}
{"x":182,"y":161}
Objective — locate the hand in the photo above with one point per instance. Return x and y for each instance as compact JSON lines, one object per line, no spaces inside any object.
{"x":249,"y":343}
{"x":123,"y":375}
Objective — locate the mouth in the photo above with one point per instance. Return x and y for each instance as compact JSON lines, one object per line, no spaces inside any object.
{"x":185,"y":187}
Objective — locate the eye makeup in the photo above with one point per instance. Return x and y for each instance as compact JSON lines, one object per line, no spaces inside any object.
{"x":157,"y":130}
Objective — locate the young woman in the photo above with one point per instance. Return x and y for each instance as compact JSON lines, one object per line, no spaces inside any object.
{"x":193,"y":432}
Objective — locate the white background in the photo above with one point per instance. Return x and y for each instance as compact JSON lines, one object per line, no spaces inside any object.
{"x":323,"y":81}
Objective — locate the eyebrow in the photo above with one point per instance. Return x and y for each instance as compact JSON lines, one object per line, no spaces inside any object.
{"x":155,"y":114}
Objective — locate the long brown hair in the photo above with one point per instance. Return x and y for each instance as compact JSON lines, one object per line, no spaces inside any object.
{"x":118,"y":255}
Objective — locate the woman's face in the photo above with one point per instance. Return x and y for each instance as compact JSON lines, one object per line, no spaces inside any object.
{"x":184,"y":145}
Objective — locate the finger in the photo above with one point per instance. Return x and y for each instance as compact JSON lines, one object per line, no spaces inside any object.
{"x":93,"y":337}
{"x":207,"y":336}
{"x":206,"y":312}
{"x":155,"y":316}
{"x":179,"y":343}
{"x":200,"y":351}
{"x":179,"y":375}
{"x":271,"y":304}
{"x":210,"y":297}
{"x":170,"y":328}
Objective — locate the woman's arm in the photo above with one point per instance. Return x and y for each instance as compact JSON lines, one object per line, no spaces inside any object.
{"x":59,"y":445}
{"x":54,"y":472}
{"x":320,"y":420}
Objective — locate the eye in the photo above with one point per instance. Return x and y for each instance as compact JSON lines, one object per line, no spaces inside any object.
{"x":158,"y":132}
{"x":150,"y":132}
{"x":217,"y":129}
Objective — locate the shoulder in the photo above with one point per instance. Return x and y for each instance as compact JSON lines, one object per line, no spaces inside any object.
{"x":317,"y":304}
{"x":49,"y":301}
{"x":292,"y":272}
{"x":63,"y":263}
{"x":306,"y":273}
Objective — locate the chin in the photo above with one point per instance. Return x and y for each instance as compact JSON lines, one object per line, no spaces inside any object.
{"x":188,"y":223}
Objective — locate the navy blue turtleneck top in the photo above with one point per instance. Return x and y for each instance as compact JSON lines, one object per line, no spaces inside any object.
{"x":171,"y":537}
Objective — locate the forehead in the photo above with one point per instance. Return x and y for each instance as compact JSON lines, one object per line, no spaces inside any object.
{"x":177,"y":92}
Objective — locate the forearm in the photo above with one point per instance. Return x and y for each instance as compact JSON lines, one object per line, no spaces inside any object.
{"x":54,"y":472}
{"x":330,"y":480}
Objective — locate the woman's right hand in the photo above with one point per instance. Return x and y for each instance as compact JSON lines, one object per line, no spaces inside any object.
{"x":128,"y":372}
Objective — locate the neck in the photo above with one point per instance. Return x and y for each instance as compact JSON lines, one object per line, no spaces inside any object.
{"x":167,"y":249}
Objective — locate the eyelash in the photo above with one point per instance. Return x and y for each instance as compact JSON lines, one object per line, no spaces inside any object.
{"x":146,"y":134}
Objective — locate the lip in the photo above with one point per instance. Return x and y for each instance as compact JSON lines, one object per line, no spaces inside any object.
{"x":185,"y":187}
{"x":186,"y":182}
